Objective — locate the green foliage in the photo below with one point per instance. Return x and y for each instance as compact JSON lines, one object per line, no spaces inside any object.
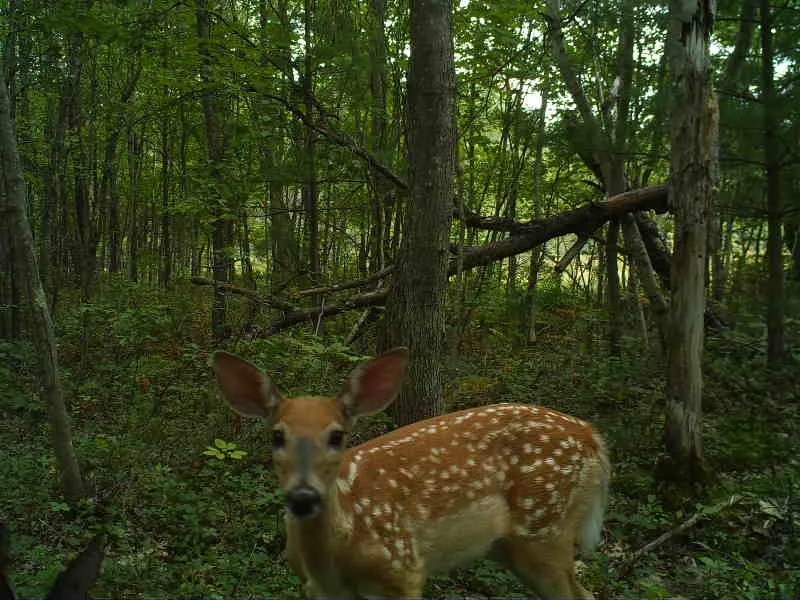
{"x":222,"y":450}
{"x":193,"y":508}
{"x":302,"y":362}
{"x":15,"y":365}
{"x":194,"y":514}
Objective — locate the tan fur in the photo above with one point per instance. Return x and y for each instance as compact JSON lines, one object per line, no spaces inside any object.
{"x":442,"y":492}
{"x":523,"y":484}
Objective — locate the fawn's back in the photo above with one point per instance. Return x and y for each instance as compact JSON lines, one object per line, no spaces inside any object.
{"x":448,"y":489}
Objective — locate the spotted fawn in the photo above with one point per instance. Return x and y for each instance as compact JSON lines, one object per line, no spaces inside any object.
{"x":522,"y":484}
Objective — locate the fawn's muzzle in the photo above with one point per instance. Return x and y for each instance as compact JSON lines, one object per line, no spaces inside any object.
{"x":303,"y":501}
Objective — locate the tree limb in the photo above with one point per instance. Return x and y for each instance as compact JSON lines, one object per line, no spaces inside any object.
{"x":649,"y":198}
{"x":582,"y":221}
{"x":247,"y":293}
{"x":628,"y":564}
{"x":656,"y":248}
{"x":296,"y":317}
{"x":324,"y":127}
{"x":570,"y":255}
{"x":338,"y":287}
{"x":736,"y":59}
{"x":598,"y":141}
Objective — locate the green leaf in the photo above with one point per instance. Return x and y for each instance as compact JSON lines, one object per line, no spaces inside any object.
{"x":59,"y":507}
{"x":215,"y":453}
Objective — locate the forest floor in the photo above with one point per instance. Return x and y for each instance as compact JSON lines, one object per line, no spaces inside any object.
{"x":188,"y":522}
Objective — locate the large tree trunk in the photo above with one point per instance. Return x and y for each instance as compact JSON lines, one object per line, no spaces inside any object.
{"x":775,"y":303}
{"x":538,"y":191}
{"x":616,"y":182}
{"x":416,"y":307}
{"x":692,"y":182}
{"x":165,"y":239}
{"x":9,"y":279}
{"x":283,"y":246}
{"x":310,"y":190}
{"x":381,"y":187}
{"x":56,"y":167}
{"x":41,"y":322}
{"x":215,"y":140}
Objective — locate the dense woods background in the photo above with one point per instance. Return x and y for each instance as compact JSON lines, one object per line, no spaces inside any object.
{"x":589,"y":205}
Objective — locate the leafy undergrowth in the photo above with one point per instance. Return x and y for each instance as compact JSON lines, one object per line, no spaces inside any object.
{"x":190,"y":503}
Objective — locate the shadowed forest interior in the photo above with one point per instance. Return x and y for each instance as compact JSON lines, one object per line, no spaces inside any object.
{"x":591,"y":206}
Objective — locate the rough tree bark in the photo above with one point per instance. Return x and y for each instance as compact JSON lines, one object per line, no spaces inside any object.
{"x":775,"y":304}
{"x":310,"y":190}
{"x":215,"y":140}
{"x":693,"y":177}
{"x":538,"y":190}
{"x":41,"y":322}
{"x":415,"y":311}
{"x":381,"y":187}
{"x":56,"y":167}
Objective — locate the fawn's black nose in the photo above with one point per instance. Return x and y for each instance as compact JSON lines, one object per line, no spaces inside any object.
{"x":303,"y":501}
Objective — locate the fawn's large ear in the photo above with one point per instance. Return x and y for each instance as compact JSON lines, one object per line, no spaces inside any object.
{"x":248,"y":390}
{"x":374,"y":385}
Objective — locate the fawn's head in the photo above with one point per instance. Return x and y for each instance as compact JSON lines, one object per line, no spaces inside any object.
{"x":309,"y":433}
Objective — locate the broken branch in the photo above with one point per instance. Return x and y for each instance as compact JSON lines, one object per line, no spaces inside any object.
{"x":338,"y":287}
{"x":247,"y":293}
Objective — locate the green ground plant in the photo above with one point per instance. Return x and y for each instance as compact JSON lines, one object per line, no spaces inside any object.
{"x":192,"y":509}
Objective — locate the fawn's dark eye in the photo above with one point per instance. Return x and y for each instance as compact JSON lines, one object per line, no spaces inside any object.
{"x":336,"y":439}
{"x":278,"y":439}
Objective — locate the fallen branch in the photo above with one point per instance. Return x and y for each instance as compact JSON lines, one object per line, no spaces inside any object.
{"x":653,"y":197}
{"x":338,"y":287}
{"x":370,"y":315}
{"x":324,"y":127}
{"x":582,"y":221}
{"x":656,"y":248}
{"x":247,"y":293}
{"x":570,"y":255}
{"x":296,"y":317}
{"x":627,"y":565}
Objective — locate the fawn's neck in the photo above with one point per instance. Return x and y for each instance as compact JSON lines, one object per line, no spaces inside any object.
{"x":316,"y":540}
